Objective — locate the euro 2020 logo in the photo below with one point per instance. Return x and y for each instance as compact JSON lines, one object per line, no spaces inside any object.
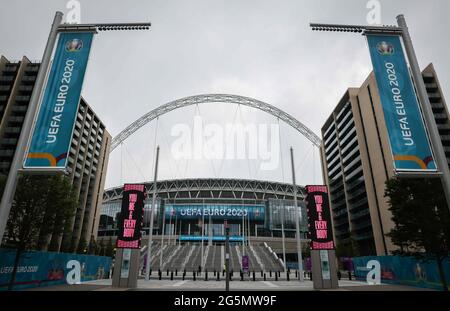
{"x":74,"y":45}
{"x":385,"y":48}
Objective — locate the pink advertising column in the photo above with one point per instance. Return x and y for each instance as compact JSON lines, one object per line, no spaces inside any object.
{"x":128,"y":244}
{"x":323,"y":257}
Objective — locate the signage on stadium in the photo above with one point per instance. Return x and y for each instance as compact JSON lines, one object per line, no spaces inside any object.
{"x":215,"y":211}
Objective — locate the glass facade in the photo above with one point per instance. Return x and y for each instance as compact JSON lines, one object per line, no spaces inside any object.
{"x":258,"y":218}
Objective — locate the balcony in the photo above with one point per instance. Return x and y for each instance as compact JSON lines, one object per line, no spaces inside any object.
{"x":362,"y":225}
{"x":358,"y":204}
{"x":363,"y":236}
{"x":22,"y":99}
{"x":6,"y":79}
{"x":360,"y":214}
{"x":19,"y":108}
{"x":6,"y":153}
{"x":10,"y":68}
{"x":12,"y":130}
{"x":8,"y":141}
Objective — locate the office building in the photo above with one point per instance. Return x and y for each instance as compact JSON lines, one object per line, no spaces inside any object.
{"x":357,"y":162}
{"x":88,"y":156}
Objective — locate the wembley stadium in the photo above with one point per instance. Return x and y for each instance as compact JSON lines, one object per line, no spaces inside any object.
{"x":189,"y":216}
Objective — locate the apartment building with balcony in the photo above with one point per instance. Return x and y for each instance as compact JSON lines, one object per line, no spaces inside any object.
{"x":356,"y":162}
{"x":88,"y":155}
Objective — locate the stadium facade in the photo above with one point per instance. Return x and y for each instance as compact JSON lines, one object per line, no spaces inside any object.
{"x":189,"y":211}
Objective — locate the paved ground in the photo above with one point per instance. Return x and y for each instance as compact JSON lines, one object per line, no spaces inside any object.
{"x":212,"y":285}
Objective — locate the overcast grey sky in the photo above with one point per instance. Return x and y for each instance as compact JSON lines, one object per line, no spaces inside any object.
{"x":258,"y":48}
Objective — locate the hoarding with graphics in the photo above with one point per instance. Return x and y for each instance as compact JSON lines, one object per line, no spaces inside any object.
{"x":215,"y":211}
{"x":319,"y":218}
{"x":52,"y":134}
{"x":131,"y":216}
{"x":408,"y":138}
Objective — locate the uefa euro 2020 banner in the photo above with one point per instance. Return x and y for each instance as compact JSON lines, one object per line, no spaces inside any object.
{"x":52,"y":134}
{"x":408,"y":138}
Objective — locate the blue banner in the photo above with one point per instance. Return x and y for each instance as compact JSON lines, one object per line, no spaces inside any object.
{"x":37,"y":268}
{"x":404,"y":270}
{"x":215,"y":211}
{"x":408,"y":138}
{"x":53,"y":129}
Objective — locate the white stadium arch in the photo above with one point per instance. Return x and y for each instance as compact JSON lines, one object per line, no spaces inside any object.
{"x":215,"y":98}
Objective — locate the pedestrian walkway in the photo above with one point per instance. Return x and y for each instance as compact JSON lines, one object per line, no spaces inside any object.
{"x":212,"y":285}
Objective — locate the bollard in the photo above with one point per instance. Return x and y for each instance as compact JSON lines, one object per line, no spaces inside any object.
{"x":159,"y":274}
{"x":206,"y":275}
{"x":242,"y":276}
{"x":279,"y":273}
{"x":223,"y":272}
{"x":287,"y":276}
{"x":264,"y":276}
{"x":254,"y":276}
{"x":176,"y":272}
{"x":214,"y":272}
{"x":296,"y":274}
{"x":270,"y":273}
{"x":231,"y":276}
{"x":171,"y":275}
{"x":218,"y":276}
{"x":276,"y":276}
{"x":184,"y":275}
{"x":261,"y":273}
{"x":150,"y":271}
{"x":193,"y":275}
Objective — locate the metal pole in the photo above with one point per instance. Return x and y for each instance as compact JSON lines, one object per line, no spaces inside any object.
{"x":249,"y":228}
{"x":175,"y":230}
{"x":16,"y":165}
{"x":427,"y":111}
{"x":227,"y":256}
{"x":162,"y":236}
{"x":170,"y":227}
{"x":203,"y":232}
{"x":283,"y":240}
{"x":298,"y":216}
{"x":152,"y":208}
{"x":243,"y":236}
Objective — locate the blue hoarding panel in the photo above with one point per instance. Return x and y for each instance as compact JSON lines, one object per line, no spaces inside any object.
{"x":48,"y":268}
{"x":215,"y":211}
{"x":404,"y":270}
{"x":53,"y":129}
{"x":407,"y":135}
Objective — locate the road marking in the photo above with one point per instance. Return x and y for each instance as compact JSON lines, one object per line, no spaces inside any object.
{"x":179,"y":283}
{"x":269,"y":284}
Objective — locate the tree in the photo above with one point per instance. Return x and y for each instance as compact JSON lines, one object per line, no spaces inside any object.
{"x":36,"y":196}
{"x":422,"y":220}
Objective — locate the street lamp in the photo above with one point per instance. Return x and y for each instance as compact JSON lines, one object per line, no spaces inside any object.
{"x":424,"y":101}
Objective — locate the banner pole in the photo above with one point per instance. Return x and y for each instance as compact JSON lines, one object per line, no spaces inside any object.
{"x":298,"y":215}
{"x":427,"y":111}
{"x":16,"y":165}
{"x":150,"y":235}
